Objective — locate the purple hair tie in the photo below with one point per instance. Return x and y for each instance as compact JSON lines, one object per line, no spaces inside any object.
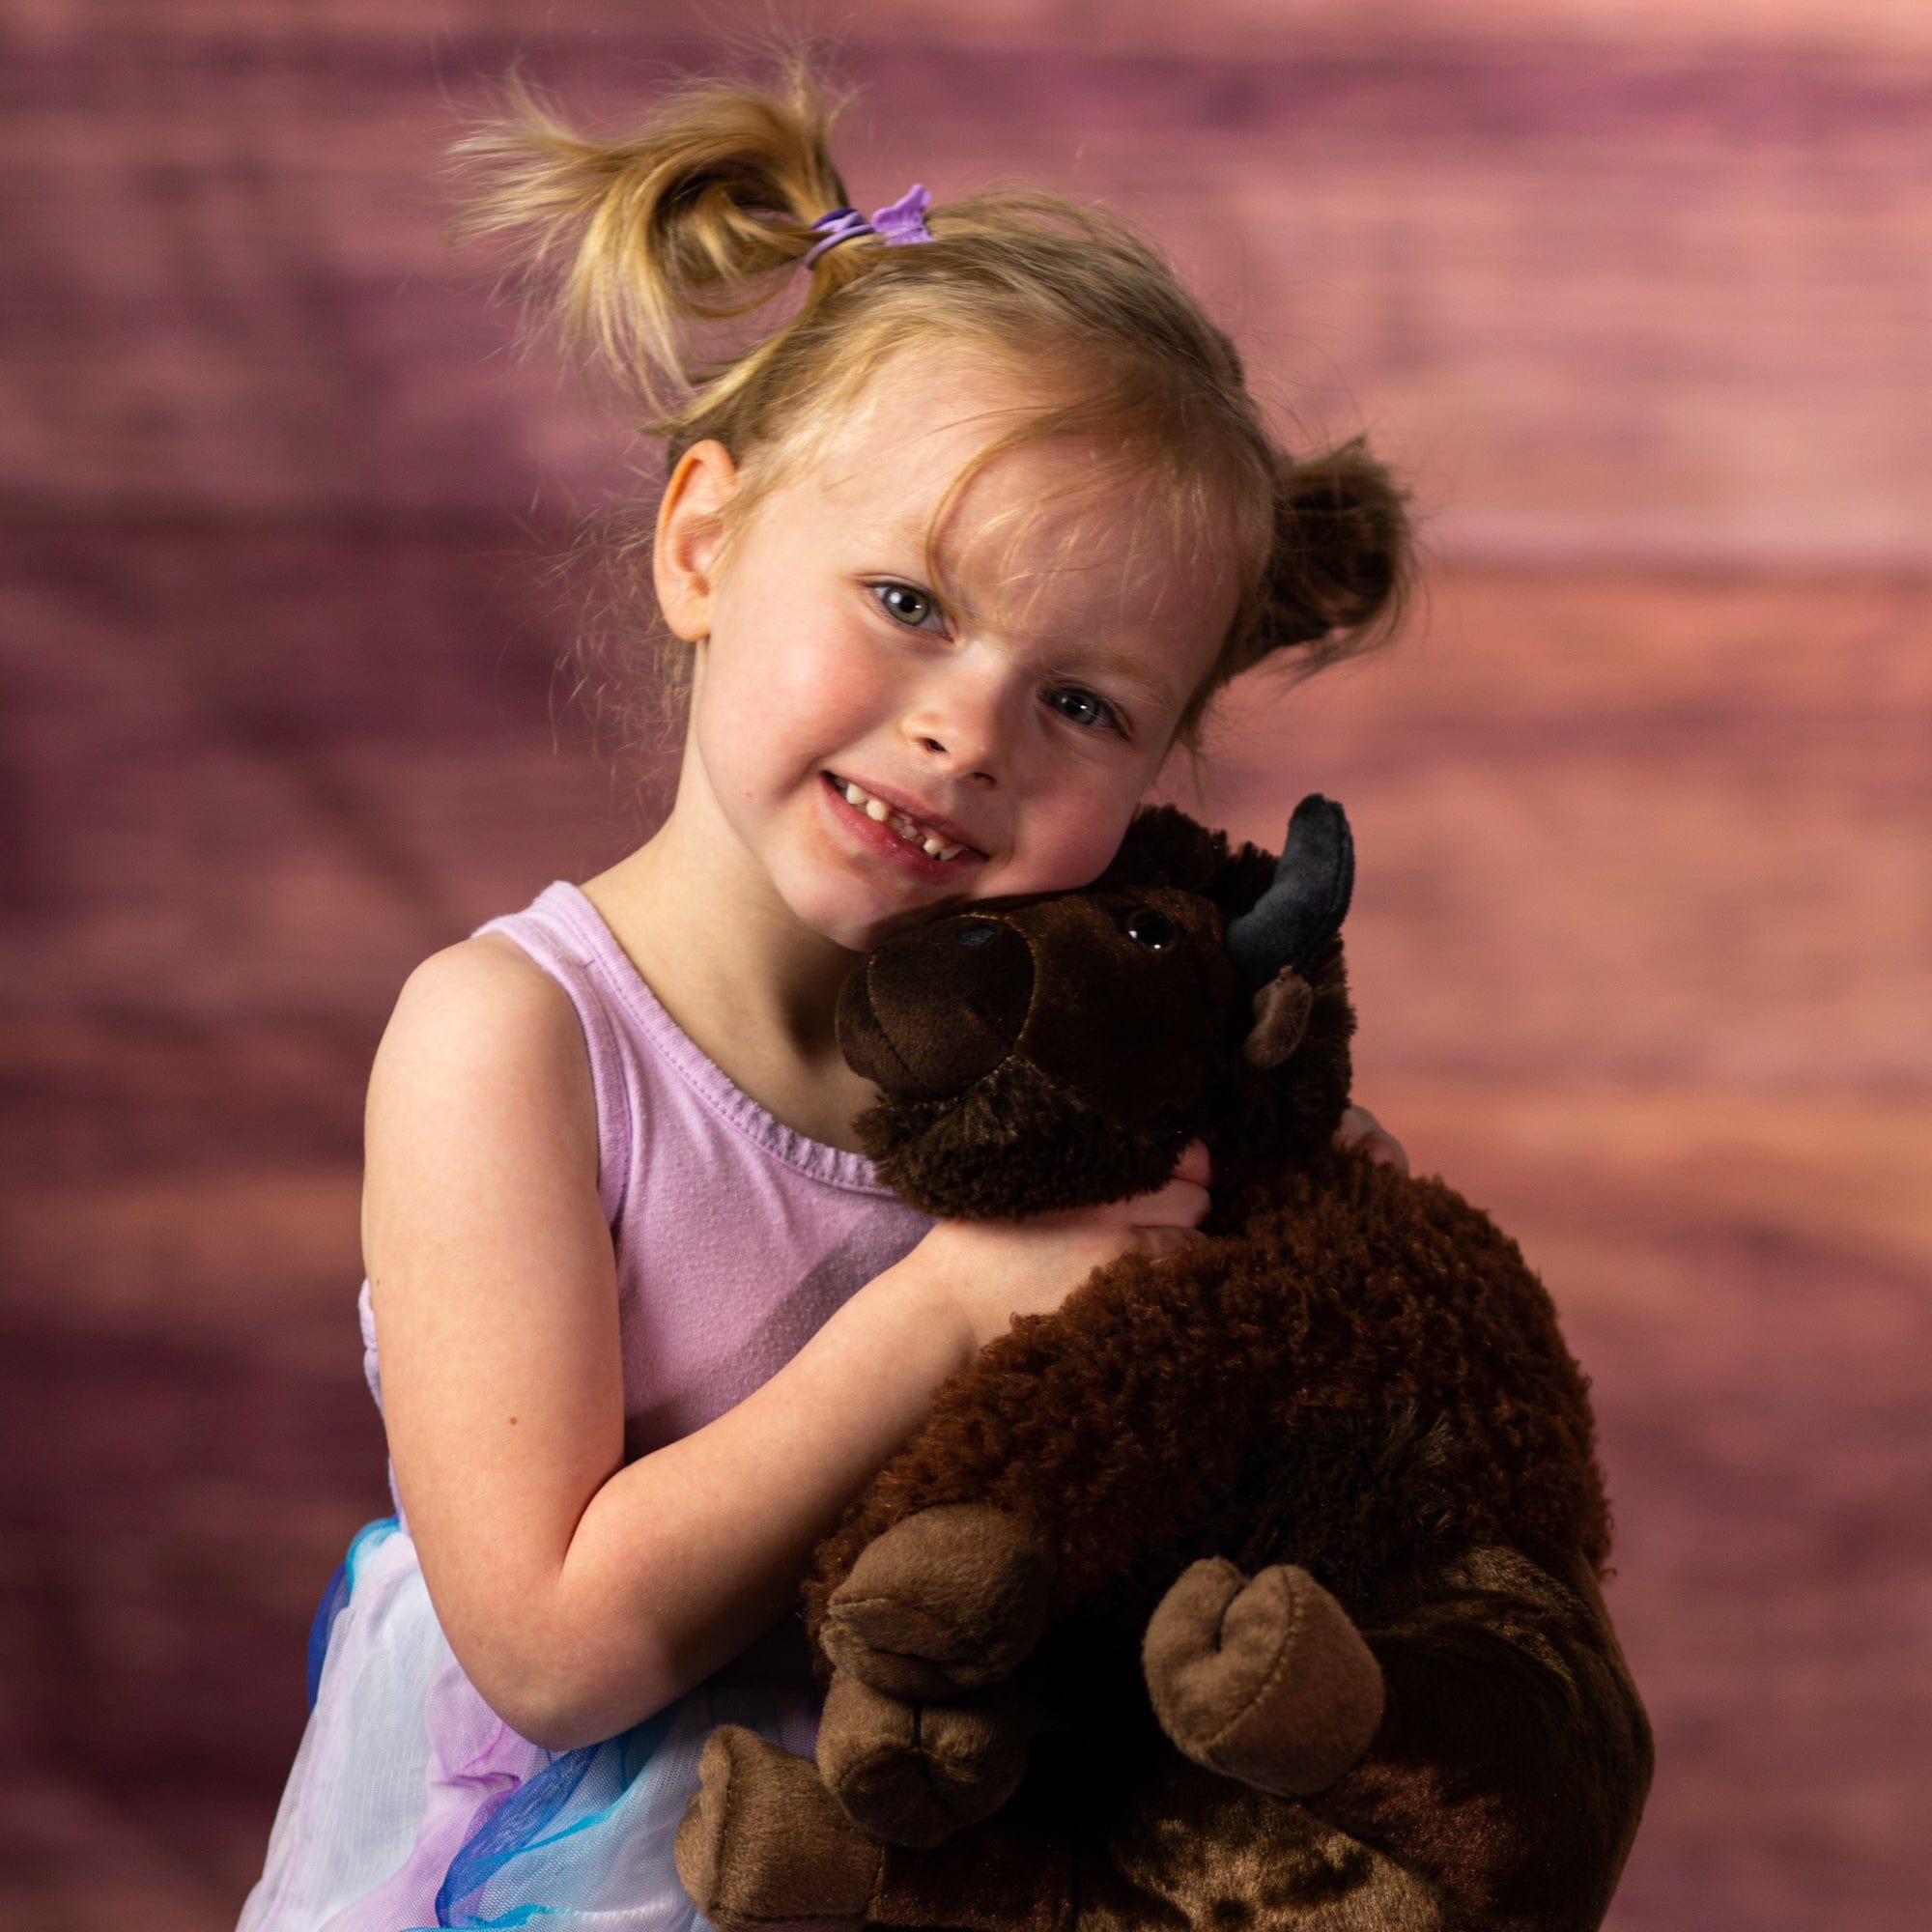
{"x":896,"y":224}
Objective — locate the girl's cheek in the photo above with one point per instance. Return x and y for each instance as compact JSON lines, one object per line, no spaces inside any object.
{"x":833,"y":670}
{"x":1069,"y":853}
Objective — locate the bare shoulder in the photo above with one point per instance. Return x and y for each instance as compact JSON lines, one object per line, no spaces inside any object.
{"x":482,"y":1083}
{"x":481,"y":1001}
{"x":476,"y":984}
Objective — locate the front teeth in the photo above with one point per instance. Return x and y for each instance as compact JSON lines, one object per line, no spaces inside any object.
{"x":878,"y":809}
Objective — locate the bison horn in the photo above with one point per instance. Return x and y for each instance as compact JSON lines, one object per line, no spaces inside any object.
{"x":1302,"y":910}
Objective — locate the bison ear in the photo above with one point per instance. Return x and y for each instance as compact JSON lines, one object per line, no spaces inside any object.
{"x":1281,"y":1018}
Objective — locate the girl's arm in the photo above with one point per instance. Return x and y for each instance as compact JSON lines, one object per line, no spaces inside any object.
{"x":579,"y":1594}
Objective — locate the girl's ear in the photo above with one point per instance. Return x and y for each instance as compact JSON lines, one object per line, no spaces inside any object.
{"x":691,"y":527}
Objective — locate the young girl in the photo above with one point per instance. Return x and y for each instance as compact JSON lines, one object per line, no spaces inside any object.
{"x":955,"y":556}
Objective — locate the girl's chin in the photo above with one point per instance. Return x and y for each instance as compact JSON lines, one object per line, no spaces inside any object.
{"x":860,"y":932}
{"x":860,"y":920}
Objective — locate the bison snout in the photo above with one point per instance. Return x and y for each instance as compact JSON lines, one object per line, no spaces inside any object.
{"x":933,"y":1010}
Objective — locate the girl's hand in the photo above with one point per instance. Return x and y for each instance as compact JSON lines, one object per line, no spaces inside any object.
{"x":1360,"y":1128}
{"x":985,"y":1272}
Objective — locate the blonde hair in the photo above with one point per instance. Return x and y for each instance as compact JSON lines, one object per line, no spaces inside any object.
{"x":702,"y":216}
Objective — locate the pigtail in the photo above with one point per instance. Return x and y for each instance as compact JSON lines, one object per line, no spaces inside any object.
{"x":656,"y":252}
{"x":1339,"y":572}
{"x":696,"y":216}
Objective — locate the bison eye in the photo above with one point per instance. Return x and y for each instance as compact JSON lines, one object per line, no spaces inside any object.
{"x":1153,"y":928}
{"x":978,"y":933}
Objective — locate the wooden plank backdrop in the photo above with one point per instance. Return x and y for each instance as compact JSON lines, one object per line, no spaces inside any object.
{"x":1640,"y":297}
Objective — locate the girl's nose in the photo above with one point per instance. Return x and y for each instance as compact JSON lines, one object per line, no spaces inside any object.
{"x":976,"y":766}
{"x":957,"y":724}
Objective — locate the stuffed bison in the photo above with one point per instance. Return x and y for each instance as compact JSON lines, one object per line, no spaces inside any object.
{"x":1257,"y":1584}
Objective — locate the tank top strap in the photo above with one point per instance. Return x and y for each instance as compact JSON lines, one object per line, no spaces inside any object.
{"x":562,"y":933}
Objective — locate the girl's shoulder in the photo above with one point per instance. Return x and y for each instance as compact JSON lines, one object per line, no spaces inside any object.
{"x":481,"y":1021}
{"x":479,"y":985}
{"x":529,"y":983}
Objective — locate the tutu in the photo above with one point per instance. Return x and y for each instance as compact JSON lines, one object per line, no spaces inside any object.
{"x":411,"y":1804}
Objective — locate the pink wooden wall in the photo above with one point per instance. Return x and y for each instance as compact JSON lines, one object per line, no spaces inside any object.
{"x":1640,"y":296}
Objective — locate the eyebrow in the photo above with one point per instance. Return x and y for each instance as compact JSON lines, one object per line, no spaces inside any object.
{"x":895,"y":525}
{"x":1113,"y":665}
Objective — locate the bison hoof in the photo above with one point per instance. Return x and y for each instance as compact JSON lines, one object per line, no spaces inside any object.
{"x":1267,"y":1681}
{"x":945,"y":1601}
{"x":762,"y":1841}
{"x":913,"y":1773}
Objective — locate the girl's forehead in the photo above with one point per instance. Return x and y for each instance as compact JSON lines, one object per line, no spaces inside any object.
{"x":886,"y":468}
{"x":918,"y":420}
{"x":1056,"y":519}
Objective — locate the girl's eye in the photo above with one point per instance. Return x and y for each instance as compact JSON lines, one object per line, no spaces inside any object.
{"x":1096,"y":711}
{"x":912,"y":607}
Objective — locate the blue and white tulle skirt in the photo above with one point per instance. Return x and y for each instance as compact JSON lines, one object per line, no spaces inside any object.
{"x":411,"y":1804}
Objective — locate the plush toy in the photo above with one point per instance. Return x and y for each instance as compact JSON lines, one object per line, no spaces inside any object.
{"x":1257,"y":1584}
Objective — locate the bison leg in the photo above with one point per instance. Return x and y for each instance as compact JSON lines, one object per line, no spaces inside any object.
{"x":763,"y":1840}
{"x":946,"y":1600}
{"x":765,"y":1845}
{"x":913,"y":1773}
{"x":1266,"y":1681}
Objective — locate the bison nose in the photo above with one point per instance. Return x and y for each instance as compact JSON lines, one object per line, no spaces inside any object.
{"x":933,"y":1010}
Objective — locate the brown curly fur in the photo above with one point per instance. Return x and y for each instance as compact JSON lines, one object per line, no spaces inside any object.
{"x":1356,"y":1372}
{"x":1357,"y":1301}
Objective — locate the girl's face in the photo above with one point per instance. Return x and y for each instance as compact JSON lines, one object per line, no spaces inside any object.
{"x":1019,"y":712}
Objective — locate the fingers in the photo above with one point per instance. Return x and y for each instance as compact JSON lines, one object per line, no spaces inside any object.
{"x":1176,"y":1210}
{"x":1179,"y":1202}
{"x":1195,"y":1164}
{"x":1185,"y":1197}
{"x":1361,"y":1129}
{"x":1385,"y":1147}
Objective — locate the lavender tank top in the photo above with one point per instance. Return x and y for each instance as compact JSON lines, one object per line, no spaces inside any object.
{"x":736,"y":1237}
{"x":411,"y":1800}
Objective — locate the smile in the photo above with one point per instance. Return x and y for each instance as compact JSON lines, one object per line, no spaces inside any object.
{"x":895,"y":830}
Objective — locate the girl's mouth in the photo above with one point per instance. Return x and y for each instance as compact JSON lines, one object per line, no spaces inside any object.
{"x":889,"y":832}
